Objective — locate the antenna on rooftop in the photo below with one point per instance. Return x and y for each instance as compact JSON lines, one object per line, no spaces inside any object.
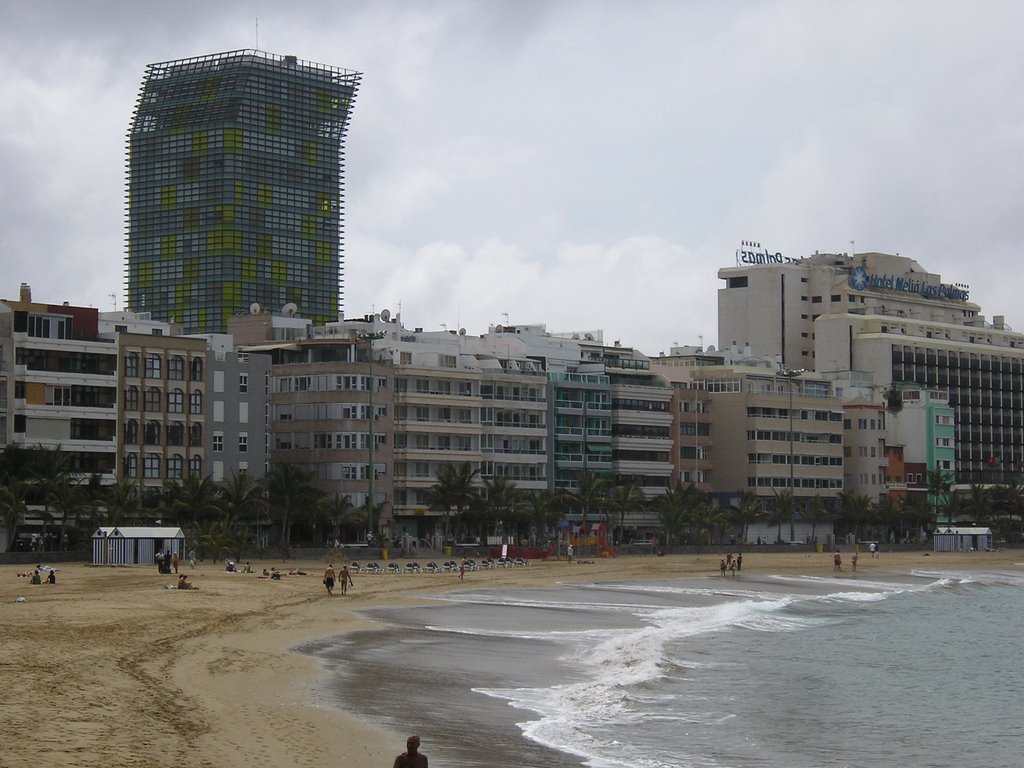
{"x":257,"y":33}
{"x":113,"y":298}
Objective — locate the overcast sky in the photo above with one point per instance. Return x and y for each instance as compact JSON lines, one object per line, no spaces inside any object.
{"x":586,"y":165}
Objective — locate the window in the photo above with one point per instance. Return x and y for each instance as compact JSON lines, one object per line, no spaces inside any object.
{"x":243,"y":442}
{"x":243,"y":382}
{"x":131,"y":365}
{"x":195,"y":434}
{"x":176,"y":433}
{"x":405,"y":358}
{"x":151,"y":467}
{"x":131,"y":398}
{"x":152,"y":399}
{"x":195,"y":402}
{"x":175,"y":467}
{"x":154,"y":365}
{"x":131,"y":465}
{"x":131,"y":432}
{"x":152,"y":436}
{"x":176,"y":368}
{"x":176,"y":401}
{"x":218,"y":442}
{"x":197,"y":369}
{"x":195,"y":465}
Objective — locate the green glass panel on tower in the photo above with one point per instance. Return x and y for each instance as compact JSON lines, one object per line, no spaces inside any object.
{"x":235,"y":188}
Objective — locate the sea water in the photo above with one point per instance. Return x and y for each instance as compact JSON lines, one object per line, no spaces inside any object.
{"x":923,"y":670}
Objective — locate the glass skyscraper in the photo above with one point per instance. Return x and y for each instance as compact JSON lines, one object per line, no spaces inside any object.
{"x":235,"y":188}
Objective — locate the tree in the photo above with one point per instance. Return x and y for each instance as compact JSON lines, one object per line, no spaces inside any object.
{"x":590,"y":494}
{"x":68,"y":499}
{"x":502,"y":503}
{"x":939,"y":482}
{"x":119,"y":503}
{"x":14,"y":508}
{"x":670,"y":510}
{"x":240,"y":498}
{"x":744,"y":511}
{"x":543,"y":508}
{"x":625,"y":499}
{"x":855,"y":508}
{"x":817,"y":512}
{"x":454,"y":487}
{"x":341,"y":512}
{"x":193,"y":499}
{"x":782,"y":511}
{"x":292,"y":495}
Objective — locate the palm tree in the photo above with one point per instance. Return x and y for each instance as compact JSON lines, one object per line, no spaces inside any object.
{"x":119,"y":503}
{"x":590,"y":494}
{"x":502,"y":502}
{"x":706,"y":519}
{"x":782,"y":511}
{"x":240,"y":498}
{"x":744,"y":511}
{"x":625,"y":499}
{"x":855,"y":508}
{"x":815,"y":513}
{"x":341,"y":512}
{"x":454,"y":487}
{"x":14,"y":508}
{"x":670,"y":510}
{"x":68,"y":499}
{"x":544,"y":508}
{"x":938,"y":482}
{"x":291,"y":495}
{"x":193,"y":499}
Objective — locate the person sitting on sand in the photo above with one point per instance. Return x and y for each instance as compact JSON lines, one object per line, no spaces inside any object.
{"x":184,"y":583}
{"x":296,"y":572}
{"x":36,"y":578}
{"x":51,"y":577}
{"x":266,"y":572}
{"x":275,"y":574}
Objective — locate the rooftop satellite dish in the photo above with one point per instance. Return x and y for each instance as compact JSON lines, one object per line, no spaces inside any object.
{"x":289,"y":309}
{"x":462,"y":331}
{"x":588,"y":336}
{"x":254,"y":308}
{"x":711,"y":347}
{"x":576,"y":337}
{"x":499,"y":329}
{"x":385,"y":315}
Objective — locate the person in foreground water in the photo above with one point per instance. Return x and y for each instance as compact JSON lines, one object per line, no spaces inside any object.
{"x":412,"y":757}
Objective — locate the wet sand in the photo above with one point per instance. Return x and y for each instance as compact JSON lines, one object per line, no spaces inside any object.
{"x":108,"y":668}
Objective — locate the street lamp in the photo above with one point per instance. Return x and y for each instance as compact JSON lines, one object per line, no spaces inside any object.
{"x":791,"y":376}
{"x":370,"y":338}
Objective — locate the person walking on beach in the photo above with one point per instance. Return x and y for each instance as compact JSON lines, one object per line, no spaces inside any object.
{"x":462,"y":569}
{"x":732,"y":569}
{"x":412,"y":757}
{"x":853,"y":561}
{"x":739,"y":561}
{"x":175,"y":561}
{"x":837,"y":562}
{"x":568,"y":553}
{"x":722,"y":567}
{"x":329,"y":577}
{"x":346,"y":579}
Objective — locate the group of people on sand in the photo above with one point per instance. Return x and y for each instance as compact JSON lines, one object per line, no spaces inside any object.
{"x":36,"y":576}
{"x":731,"y":564}
{"x":330,"y":576}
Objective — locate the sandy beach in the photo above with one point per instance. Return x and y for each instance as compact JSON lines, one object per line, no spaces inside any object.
{"x":107,"y":667}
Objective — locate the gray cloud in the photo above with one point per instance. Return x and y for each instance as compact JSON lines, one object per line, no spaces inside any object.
{"x":582,"y":164}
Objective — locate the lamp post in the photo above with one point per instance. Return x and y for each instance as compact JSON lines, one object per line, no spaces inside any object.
{"x":370,"y":338}
{"x":791,"y":376}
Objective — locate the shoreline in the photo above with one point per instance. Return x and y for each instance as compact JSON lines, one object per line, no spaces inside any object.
{"x":109,"y":668}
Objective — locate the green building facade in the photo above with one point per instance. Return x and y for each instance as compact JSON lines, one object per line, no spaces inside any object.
{"x":235,"y":182}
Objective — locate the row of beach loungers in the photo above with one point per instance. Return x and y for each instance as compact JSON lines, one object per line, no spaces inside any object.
{"x":448,"y":566}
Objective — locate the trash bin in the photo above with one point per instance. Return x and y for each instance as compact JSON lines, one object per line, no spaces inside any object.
{"x":821,"y":547}
{"x":383,"y":554}
{"x":447,"y":551}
